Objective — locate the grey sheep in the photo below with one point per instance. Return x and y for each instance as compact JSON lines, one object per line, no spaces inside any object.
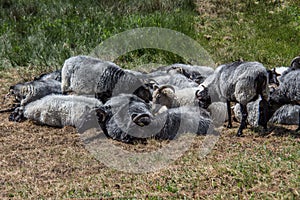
{"x":240,"y":82}
{"x":25,"y":93}
{"x":286,"y":114}
{"x":56,"y":75}
{"x":288,"y":92}
{"x":127,"y":118}
{"x":174,"y":79}
{"x":87,"y":75}
{"x":55,"y":110}
{"x":295,"y":65}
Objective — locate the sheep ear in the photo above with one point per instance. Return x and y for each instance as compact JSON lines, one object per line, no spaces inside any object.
{"x":101,"y":114}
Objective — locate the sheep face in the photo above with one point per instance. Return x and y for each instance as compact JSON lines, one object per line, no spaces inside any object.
{"x":203,"y":97}
{"x":164,"y":96}
{"x":122,"y":115}
{"x":272,"y":75}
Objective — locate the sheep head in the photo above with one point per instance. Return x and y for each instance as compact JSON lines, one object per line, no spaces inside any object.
{"x":272,"y":75}
{"x":203,"y":97}
{"x":165,"y":95}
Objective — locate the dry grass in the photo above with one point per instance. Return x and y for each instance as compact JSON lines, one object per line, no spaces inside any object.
{"x":43,"y":162}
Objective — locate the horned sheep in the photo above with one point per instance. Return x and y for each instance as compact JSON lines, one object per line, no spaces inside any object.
{"x":127,"y":118}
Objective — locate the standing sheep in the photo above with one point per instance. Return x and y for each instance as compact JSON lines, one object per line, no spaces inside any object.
{"x":240,"y":82}
{"x":87,"y":75}
{"x":55,"y":110}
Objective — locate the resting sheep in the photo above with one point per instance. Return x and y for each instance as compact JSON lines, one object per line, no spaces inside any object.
{"x":128,"y":118}
{"x":240,"y":82}
{"x":87,"y":75}
{"x":55,"y":110}
{"x":167,"y":95}
{"x":288,"y":92}
{"x":25,"y":93}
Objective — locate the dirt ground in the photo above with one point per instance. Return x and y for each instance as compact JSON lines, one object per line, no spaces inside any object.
{"x":45,"y":162}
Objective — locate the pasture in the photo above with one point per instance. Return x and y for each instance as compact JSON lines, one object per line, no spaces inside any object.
{"x":39,"y":162}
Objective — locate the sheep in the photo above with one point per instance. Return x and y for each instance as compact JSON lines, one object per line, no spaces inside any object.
{"x":195,"y":73}
{"x":295,"y":64}
{"x":56,"y":110}
{"x":240,"y":82}
{"x":87,"y":75}
{"x":286,"y":114}
{"x":174,"y":79}
{"x":25,"y":93}
{"x":122,"y":115}
{"x":288,"y":92}
{"x":56,"y":75}
{"x":167,"y":95}
{"x":127,"y":118}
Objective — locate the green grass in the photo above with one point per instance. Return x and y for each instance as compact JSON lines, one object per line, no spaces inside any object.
{"x":42,"y":33}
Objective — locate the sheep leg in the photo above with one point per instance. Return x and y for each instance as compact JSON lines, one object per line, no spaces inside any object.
{"x":244,"y":118}
{"x":263,"y":121}
{"x":229,"y":114}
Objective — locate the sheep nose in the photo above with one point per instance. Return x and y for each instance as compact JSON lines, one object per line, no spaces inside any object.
{"x":141,"y":119}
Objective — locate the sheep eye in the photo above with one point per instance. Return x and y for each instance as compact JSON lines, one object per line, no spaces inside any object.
{"x":158,"y":96}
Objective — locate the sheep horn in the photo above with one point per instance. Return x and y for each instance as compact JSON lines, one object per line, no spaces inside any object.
{"x":101,"y":114}
{"x":296,"y":62}
{"x":167,"y":86}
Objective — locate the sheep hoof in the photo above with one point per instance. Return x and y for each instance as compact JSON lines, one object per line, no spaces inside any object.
{"x":239,"y":133}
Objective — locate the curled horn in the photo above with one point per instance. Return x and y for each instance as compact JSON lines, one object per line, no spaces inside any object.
{"x":167,"y":86}
{"x":296,"y":62}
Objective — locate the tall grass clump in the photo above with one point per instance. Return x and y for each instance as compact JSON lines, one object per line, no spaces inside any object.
{"x":45,"y":33}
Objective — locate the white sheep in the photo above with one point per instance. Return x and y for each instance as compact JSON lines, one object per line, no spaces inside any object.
{"x":169,"y":96}
{"x":56,"y":110}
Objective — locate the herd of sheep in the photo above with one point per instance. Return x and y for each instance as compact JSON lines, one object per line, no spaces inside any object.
{"x":164,"y":103}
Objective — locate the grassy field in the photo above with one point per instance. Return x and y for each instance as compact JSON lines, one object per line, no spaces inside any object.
{"x":39,"y":162}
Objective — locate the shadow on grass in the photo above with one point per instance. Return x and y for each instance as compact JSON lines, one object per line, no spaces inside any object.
{"x":277,"y":130}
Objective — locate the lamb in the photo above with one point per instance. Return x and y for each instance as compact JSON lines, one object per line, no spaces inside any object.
{"x":25,"y":93}
{"x":56,"y":110}
{"x":87,"y":75}
{"x":241,"y":82}
{"x":127,"y":118}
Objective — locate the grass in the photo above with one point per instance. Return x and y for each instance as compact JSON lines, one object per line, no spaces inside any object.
{"x":39,"y":162}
